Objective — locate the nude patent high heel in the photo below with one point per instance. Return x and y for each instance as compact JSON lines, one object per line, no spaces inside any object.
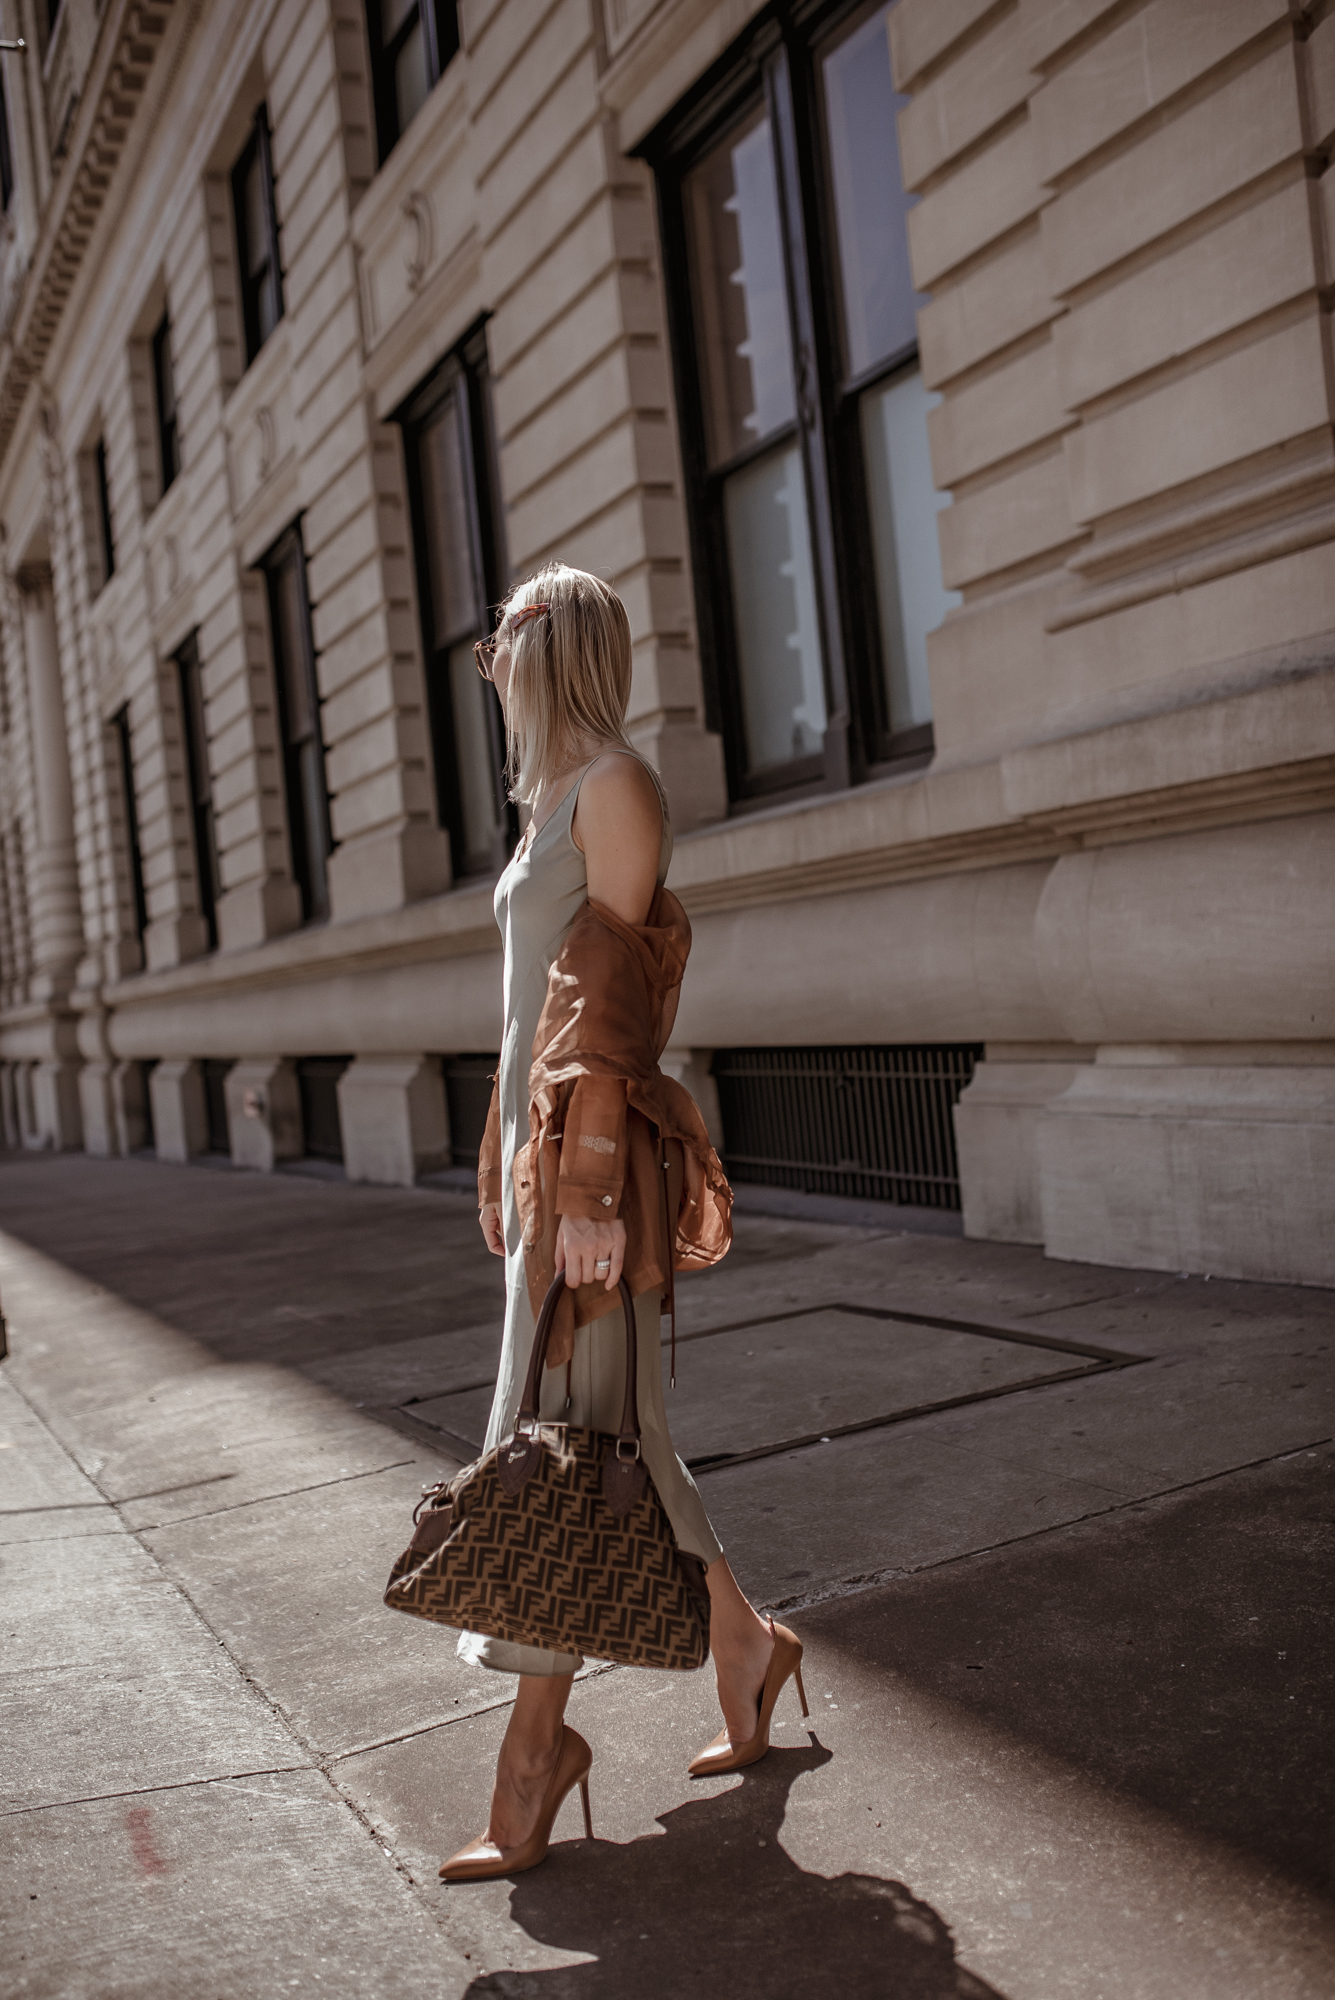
{"x":482,"y":1859}
{"x":724,"y":1755}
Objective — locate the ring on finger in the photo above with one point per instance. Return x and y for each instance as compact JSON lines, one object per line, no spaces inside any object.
{"x":603,"y":1264}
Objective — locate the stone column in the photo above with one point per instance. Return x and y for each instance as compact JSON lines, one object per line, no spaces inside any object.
{"x":180,"y":1111}
{"x":264,"y":1120}
{"x":997,"y":1121}
{"x":394,"y":1118}
{"x":57,"y":928}
{"x":53,"y":889}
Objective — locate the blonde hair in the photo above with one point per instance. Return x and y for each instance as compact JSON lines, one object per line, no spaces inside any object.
{"x":569,"y":674}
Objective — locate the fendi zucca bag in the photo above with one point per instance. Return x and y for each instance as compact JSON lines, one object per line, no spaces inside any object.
{"x":558,"y":1539}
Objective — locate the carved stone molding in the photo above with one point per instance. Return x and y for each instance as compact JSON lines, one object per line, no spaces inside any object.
{"x":264,"y":424}
{"x":417,"y":210}
{"x":130,"y":34}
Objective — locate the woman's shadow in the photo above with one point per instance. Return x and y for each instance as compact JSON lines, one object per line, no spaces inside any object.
{"x":714,"y":1907}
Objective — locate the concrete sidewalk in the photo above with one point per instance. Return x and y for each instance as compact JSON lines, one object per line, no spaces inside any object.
{"x":1061,"y":1568}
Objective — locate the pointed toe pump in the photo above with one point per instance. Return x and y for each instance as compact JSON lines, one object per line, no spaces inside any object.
{"x":723,"y":1754}
{"x":482,"y":1859}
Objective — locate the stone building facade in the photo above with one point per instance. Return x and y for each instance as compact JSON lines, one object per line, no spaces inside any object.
{"x":971,"y":492}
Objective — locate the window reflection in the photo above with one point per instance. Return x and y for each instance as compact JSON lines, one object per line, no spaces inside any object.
{"x":745,"y":346}
{"x":774,"y":608}
{"x":870,"y":205}
{"x":904,"y":505}
{"x":879,"y":319}
{"x":448,"y":465}
{"x":456,"y":602}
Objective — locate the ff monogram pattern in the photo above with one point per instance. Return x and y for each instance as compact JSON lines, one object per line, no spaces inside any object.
{"x":568,"y":1561}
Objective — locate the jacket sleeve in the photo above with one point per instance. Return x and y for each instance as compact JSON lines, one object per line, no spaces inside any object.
{"x":593,"y":1149}
{"x":489,"y":1155}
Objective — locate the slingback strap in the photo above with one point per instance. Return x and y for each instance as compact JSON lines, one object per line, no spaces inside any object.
{"x":628,"y":1439}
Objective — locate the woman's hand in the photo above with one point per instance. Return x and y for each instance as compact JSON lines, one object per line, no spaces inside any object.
{"x":493,"y":1229}
{"x":581,"y":1244}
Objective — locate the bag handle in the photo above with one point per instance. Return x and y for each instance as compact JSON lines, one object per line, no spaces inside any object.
{"x":628,"y":1439}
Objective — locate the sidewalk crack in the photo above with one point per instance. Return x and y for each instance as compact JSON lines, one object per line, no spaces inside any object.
{"x":852,"y":1586}
{"x":139,"y":1791}
{"x":289,"y":1493}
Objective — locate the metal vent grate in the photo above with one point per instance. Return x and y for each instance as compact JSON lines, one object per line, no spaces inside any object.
{"x":468,"y":1096}
{"x":874,"y":1123}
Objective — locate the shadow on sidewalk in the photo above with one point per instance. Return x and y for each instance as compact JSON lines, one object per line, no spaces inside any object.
{"x":1181,"y":1653}
{"x":714,"y":1905}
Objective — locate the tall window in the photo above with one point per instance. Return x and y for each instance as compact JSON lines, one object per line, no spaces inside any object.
{"x":164,"y":391}
{"x":257,"y":238}
{"x":125,"y":753}
{"x":201,"y":790}
{"x":813,"y":510}
{"x":447,"y":438}
{"x":412,"y":43}
{"x":6,"y":152}
{"x":106,"y":534}
{"x":299,"y":721}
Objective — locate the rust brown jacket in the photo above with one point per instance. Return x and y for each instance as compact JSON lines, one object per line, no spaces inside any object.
{"x":609,"y":1134}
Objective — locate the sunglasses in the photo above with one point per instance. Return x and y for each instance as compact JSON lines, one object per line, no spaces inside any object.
{"x":484,"y":650}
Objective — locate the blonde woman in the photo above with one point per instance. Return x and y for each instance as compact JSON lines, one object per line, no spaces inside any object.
{"x":598,"y":837}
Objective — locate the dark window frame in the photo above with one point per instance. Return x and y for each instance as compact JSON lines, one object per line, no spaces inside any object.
{"x":104,"y":521}
{"x":164,"y":396}
{"x":6,"y":149}
{"x":253,"y":275}
{"x":464,"y":373}
{"x":439,"y":24}
{"x":194,"y":729}
{"x":120,"y":722}
{"x":777,"y":63}
{"x":305,"y":785}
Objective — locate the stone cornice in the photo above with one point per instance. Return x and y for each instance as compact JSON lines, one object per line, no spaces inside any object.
{"x":458,"y":924}
{"x":1031,"y":804}
{"x":129,"y":40}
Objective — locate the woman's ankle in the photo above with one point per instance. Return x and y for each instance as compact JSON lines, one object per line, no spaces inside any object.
{"x":530,"y":1756}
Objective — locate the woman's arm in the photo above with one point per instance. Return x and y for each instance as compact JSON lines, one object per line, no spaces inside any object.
{"x":619,"y":825}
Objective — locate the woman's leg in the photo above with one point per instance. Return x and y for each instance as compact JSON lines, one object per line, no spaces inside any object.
{"x":528,"y":1756}
{"x":741,"y":1643}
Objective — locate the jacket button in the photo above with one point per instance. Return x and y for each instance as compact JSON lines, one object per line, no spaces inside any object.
{"x":607,"y":1201}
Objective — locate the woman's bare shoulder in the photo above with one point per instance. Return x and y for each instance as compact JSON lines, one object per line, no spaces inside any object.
{"x":618,"y":797}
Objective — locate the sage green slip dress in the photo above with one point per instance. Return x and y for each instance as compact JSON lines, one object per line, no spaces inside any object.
{"x":537,"y":899}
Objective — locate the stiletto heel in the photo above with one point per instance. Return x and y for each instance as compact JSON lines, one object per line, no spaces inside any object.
{"x":725,"y":1755}
{"x":801,"y":1691}
{"x":482,"y":1859}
